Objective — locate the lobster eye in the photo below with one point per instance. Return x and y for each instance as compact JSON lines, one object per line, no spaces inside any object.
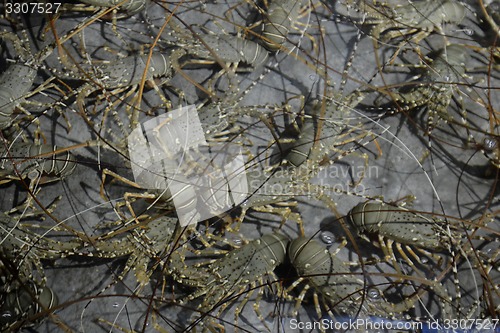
{"x":489,"y":144}
{"x":327,"y":237}
{"x":6,"y":315}
{"x":373,"y":293}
